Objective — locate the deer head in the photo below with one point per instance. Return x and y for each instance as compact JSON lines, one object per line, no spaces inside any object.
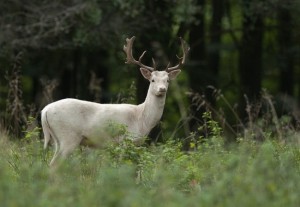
{"x":159,"y":80}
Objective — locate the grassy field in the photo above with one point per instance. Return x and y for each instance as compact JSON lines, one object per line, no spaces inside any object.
{"x":245,"y":173}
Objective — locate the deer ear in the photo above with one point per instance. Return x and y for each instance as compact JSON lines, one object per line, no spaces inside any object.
{"x":173,"y":74}
{"x":146,"y":73}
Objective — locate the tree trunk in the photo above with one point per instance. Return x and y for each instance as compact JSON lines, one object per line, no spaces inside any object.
{"x":286,"y":59}
{"x":250,"y":59}
{"x":214,"y":50}
{"x":197,"y":70}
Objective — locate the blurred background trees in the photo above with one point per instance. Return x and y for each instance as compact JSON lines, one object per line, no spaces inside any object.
{"x":74,"y":49}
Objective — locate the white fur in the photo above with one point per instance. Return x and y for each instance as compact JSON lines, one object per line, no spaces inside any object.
{"x":69,"y":122}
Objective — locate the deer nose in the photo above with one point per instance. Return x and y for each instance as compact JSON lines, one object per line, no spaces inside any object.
{"x":162,"y":89}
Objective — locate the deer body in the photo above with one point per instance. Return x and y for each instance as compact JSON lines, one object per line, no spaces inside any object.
{"x":71,"y":122}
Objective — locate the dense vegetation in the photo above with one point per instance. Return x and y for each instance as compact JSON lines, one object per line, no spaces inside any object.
{"x":245,"y":173}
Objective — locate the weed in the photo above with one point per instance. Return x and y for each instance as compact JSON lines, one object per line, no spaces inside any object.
{"x":246,"y":173}
{"x":15,"y":111}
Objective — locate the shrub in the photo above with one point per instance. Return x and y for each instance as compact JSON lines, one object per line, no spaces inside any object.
{"x":245,"y":173}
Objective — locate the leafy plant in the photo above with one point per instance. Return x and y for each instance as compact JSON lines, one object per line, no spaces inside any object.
{"x":245,"y":173}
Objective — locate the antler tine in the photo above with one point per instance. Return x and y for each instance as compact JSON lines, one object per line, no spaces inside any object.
{"x":168,"y":65}
{"x":154,"y":64}
{"x":142,"y":55}
{"x":185,"y":49}
{"x":130,"y":59}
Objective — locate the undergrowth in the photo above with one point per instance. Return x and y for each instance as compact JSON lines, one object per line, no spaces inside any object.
{"x":244,"y":173}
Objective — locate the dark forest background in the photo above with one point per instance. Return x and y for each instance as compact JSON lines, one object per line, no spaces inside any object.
{"x":243,"y":65}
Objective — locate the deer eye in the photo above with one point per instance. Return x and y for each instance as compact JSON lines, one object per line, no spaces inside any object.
{"x":153,"y":80}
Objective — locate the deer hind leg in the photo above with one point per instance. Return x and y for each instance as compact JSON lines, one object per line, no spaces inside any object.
{"x":64,"y":148}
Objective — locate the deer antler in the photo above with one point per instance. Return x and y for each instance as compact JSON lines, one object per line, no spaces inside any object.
{"x":130,"y":59}
{"x":185,"y":50}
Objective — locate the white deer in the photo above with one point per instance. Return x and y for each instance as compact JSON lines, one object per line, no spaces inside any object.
{"x":71,"y":122}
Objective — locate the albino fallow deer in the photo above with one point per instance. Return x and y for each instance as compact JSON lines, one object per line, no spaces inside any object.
{"x":71,"y":122}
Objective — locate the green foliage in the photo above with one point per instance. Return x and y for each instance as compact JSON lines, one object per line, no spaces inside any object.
{"x":127,"y":95}
{"x":185,"y":12}
{"x":34,"y":131}
{"x":131,"y":8}
{"x":247,"y":173}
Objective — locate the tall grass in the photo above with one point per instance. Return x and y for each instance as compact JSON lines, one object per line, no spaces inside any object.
{"x":245,"y":173}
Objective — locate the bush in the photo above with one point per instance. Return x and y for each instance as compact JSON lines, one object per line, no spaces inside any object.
{"x":246,"y":173}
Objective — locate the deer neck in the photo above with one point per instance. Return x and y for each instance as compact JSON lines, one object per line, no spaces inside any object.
{"x":152,"y":110}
